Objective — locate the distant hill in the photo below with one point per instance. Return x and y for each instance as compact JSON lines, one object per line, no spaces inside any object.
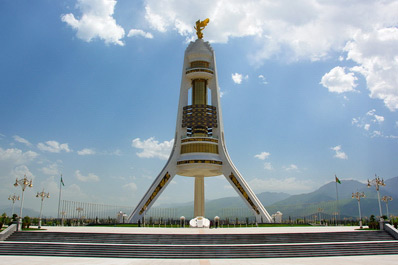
{"x":308,"y":204}
{"x":324,"y":200}
{"x":26,"y":211}
{"x":215,"y":207}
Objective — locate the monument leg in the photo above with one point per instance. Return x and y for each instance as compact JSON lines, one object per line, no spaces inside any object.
{"x":242,"y":188}
{"x":157,"y":187}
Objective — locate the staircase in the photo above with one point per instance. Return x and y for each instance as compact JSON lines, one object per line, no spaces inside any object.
{"x":202,"y":246}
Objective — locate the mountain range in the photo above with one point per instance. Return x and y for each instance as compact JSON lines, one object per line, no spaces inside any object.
{"x":321,"y":202}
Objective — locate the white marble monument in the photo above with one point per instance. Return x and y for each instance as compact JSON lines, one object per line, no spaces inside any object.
{"x":199,"y":149}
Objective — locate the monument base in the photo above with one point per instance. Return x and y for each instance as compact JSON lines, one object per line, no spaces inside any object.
{"x":199,"y":222}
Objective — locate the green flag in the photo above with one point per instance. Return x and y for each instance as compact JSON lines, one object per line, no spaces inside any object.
{"x":62,"y":181}
{"x":337,"y":179}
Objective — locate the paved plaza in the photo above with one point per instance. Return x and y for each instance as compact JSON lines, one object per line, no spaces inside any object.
{"x":352,"y":260}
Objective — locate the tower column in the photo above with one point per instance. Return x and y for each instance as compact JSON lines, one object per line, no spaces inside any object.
{"x":199,"y":199}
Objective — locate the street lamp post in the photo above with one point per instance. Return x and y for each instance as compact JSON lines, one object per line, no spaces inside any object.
{"x":358,"y":195}
{"x":319,"y":214}
{"x":335,"y":217}
{"x":42,"y":195}
{"x":377,"y":182}
{"x":79,"y":210}
{"x":23,"y":183}
{"x":63,"y":214}
{"x":386,"y":199}
{"x":13,"y":198}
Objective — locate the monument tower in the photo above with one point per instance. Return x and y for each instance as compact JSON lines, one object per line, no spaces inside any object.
{"x":199,"y":149}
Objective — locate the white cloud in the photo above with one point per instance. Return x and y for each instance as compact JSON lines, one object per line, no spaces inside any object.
{"x":130,"y":186}
{"x":309,"y":29}
{"x":268,"y":166}
{"x":21,"y":171}
{"x":262,"y":155}
{"x":152,"y":148}
{"x":376,"y":118}
{"x":289,"y":185}
{"x":338,"y":81}
{"x":53,"y":147}
{"x":139,"y":32}
{"x":89,"y":178}
{"x":376,"y":134}
{"x":238,"y":78}
{"x":376,"y":54}
{"x":86,"y":151}
{"x":21,"y":140}
{"x":263,"y":79}
{"x":51,"y":170}
{"x":96,"y":21}
{"x":291,"y":167}
{"x":339,"y":153}
{"x":368,"y":120}
{"x":16,"y":156}
{"x":156,"y":21}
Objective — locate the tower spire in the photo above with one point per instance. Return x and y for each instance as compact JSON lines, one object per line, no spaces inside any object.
{"x":199,"y":149}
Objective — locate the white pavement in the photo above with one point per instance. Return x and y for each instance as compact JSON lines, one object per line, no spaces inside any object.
{"x":352,"y":260}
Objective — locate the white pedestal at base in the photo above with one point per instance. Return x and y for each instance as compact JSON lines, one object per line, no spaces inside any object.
{"x":199,"y":222}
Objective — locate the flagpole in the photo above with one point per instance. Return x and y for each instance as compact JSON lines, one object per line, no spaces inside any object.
{"x":60,"y":192}
{"x":337,"y":200}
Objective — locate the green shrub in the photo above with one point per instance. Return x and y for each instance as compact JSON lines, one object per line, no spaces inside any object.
{"x":26,"y":222}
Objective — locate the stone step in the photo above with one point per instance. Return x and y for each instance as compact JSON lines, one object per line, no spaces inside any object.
{"x":195,"y":252}
{"x":206,"y":239}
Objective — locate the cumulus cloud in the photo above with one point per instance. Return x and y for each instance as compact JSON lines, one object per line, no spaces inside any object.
{"x":376,"y":54}
{"x":368,"y":121}
{"x":291,"y":167}
{"x":21,"y":140}
{"x":376,"y":118}
{"x":294,"y":29}
{"x":89,"y":178}
{"x":53,"y":147}
{"x":300,"y":30}
{"x":152,"y":148}
{"x":86,"y":151}
{"x":339,"y":152}
{"x":139,"y":32}
{"x":96,"y":21}
{"x":289,"y":185}
{"x":51,"y":170}
{"x":130,"y":186}
{"x":238,"y":78}
{"x":268,"y":166}
{"x":16,"y":156}
{"x":262,"y":155}
{"x":263,"y":79}
{"x":22,"y":170}
{"x":338,"y":81}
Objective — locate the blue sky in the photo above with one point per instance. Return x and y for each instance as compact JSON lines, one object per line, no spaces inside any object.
{"x":89,"y":89}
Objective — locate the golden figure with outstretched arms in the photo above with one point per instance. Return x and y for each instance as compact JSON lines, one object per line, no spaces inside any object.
{"x":200,"y":25}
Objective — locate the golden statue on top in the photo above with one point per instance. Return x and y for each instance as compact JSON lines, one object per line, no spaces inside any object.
{"x":200,"y":25}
